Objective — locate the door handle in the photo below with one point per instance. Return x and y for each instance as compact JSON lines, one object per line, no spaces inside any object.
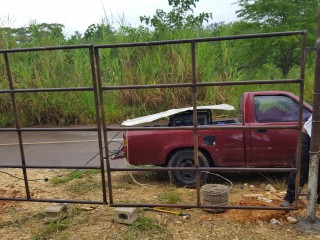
{"x":261,"y":130}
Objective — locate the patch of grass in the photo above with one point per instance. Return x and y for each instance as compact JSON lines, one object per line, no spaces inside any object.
{"x":73,"y":175}
{"x":124,"y":185}
{"x":169,"y":197}
{"x":155,"y":177}
{"x":123,"y":181}
{"x":278,"y":181}
{"x":52,"y":228}
{"x":13,"y":210}
{"x":144,"y":224}
{"x":84,"y":186}
{"x":17,"y":221}
{"x":126,"y":201}
{"x":145,"y":228}
{"x":76,"y":210}
{"x":5,"y":224}
{"x":39,"y":215}
{"x":55,"y":181}
{"x":79,"y":174}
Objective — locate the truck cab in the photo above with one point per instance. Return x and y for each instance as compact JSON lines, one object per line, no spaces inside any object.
{"x":272,"y":147}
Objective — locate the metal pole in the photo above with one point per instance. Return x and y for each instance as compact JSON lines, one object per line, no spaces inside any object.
{"x":301,"y":97}
{"x":103,"y":122}
{"x":98,"y":122}
{"x":195,"y":120}
{"x":315,"y":137}
{"x":17,"y":122}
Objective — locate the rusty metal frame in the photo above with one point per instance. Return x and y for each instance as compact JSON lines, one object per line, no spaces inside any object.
{"x":194,"y":85}
{"x":18,"y":129}
{"x":101,"y":128}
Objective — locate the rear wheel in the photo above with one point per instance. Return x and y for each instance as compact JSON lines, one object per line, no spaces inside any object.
{"x":185,"y":158}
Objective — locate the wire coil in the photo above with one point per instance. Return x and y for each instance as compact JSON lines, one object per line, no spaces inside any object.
{"x":215,"y":194}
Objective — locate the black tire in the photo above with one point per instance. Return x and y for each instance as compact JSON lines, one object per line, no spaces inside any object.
{"x":185,"y":158}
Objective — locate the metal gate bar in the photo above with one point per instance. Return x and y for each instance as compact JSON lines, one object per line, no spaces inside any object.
{"x":203,"y":84}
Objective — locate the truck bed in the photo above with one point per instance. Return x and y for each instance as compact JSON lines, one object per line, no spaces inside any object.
{"x":214,"y":122}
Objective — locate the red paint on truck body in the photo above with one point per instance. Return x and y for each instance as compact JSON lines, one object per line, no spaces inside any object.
{"x":231,"y":148}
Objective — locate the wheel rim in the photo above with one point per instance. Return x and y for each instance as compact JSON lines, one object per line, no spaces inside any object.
{"x":188,"y":176}
{"x":185,"y":159}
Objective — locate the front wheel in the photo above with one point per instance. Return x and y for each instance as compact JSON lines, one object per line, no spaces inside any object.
{"x":185,"y":158}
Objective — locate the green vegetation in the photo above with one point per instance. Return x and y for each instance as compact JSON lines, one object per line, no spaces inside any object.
{"x":52,"y":228}
{"x":76,"y":210}
{"x":85,"y":186}
{"x":18,"y":222}
{"x":223,"y":61}
{"x":77,"y":174}
{"x":144,"y":223}
{"x":145,"y":228}
{"x":278,"y":181}
{"x":169,"y":197}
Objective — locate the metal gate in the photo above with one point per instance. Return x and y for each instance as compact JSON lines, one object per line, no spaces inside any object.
{"x":99,"y":89}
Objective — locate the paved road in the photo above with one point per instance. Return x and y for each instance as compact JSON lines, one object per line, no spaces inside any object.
{"x":56,"y":148}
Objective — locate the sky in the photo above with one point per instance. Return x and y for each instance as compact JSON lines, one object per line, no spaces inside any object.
{"x":77,"y":15}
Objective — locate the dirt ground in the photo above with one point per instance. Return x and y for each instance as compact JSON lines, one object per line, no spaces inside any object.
{"x":27,"y":220}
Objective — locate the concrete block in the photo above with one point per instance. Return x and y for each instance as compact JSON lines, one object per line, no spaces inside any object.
{"x":125,"y":215}
{"x":55,"y":212}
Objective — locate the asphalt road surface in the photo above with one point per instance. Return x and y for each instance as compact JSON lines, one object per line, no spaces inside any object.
{"x":58,"y":148}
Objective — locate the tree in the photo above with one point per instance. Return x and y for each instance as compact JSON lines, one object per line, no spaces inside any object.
{"x":41,"y":33}
{"x":33,"y":35}
{"x":180,"y":17}
{"x":98,"y":32}
{"x":278,"y":16}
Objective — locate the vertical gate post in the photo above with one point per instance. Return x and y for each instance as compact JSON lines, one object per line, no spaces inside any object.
{"x":315,"y":139}
{"x":195,"y":119}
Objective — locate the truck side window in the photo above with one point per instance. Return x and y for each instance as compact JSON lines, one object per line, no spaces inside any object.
{"x":277,"y":109}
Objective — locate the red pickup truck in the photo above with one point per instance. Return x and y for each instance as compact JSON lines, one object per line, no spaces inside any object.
{"x":223,"y":147}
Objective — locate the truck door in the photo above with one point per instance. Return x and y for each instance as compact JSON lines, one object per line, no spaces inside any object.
{"x":274,"y":147}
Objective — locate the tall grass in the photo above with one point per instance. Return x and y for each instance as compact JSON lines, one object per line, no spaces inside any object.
{"x":166,"y":64}
{"x":50,"y":69}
